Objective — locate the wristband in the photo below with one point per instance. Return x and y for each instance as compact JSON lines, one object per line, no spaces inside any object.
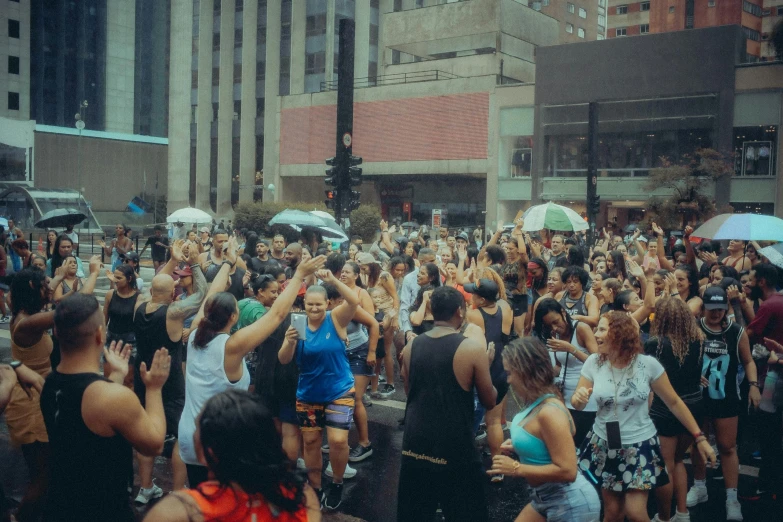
{"x":229,"y":263}
{"x":675,"y":294}
{"x":698,"y":434}
{"x":754,"y":383}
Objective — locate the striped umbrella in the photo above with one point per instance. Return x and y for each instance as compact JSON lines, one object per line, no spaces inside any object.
{"x":747,"y":227}
{"x":554,"y":217}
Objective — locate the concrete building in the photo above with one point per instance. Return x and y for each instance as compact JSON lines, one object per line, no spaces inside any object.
{"x":630,"y":18}
{"x":56,"y":55}
{"x":772,"y":14}
{"x":428,"y":77}
{"x":716,"y":101}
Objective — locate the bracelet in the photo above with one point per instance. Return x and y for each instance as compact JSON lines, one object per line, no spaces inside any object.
{"x":674,"y":294}
{"x":756,"y":385}
{"x":753,"y":383}
{"x":516,"y":467}
{"x":700,"y":439}
{"x":229,"y":263}
{"x":698,"y":434}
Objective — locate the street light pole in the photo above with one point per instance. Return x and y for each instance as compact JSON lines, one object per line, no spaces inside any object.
{"x":80,"y":127}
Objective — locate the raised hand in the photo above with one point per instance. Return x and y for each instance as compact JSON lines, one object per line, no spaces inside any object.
{"x":688,"y":231}
{"x":708,"y":257}
{"x":176,"y":251}
{"x":658,"y":230}
{"x":95,"y":264}
{"x":117,"y":356}
{"x":309,"y":267}
{"x":635,"y":270}
{"x":156,"y":376}
{"x":500,"y":226}
{"x":325,"y":275}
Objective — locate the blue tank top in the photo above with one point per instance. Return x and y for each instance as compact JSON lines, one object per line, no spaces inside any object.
{"x":324,"y":372}
{"x":531,"y":450}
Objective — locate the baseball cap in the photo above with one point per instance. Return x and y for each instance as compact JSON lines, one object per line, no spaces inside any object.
{"x":133,"y":256}
{"x":365,"y":258}
{"x":463,"y":236}
{"x":726,"y":282}
{"x":715,"y":298}
{"x":204,"y":229}
{"x":485,"y":288}
{"x":184,"y":272}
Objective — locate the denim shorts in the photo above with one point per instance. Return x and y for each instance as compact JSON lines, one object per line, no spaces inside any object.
{"x":357,"y":360}
{"x":574,"y":502}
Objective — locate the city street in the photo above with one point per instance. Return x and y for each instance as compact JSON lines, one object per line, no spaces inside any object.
{"x":371,"y":496}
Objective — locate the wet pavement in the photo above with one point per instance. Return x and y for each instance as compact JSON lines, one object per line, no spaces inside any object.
{"x":371,"y":495}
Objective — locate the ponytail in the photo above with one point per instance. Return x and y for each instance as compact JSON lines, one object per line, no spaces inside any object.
{"x":217,"y":313}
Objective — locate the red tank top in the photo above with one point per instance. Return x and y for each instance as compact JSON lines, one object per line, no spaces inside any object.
{"x":225,"y":504}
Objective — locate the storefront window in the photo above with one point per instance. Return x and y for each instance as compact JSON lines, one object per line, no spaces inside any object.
{"x":516,"y":142}
{"x":13,"y":163}
{"x":754,"y":150}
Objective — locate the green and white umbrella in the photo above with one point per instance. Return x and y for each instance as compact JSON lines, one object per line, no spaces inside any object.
{"x":554,"y":217}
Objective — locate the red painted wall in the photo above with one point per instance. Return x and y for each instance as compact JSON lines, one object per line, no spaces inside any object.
{"x":410,"y":129}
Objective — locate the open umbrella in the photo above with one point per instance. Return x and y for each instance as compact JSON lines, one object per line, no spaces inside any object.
{"x":60,"y":217}
{"x":747,"y":227}
{"x":774,"y":253}
{"x":299,"y":218}
{"x":189,"y":215}
{"x":554,"y":217}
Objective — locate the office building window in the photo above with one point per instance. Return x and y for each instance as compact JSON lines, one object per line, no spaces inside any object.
{"x":645,"y":6}
{"x":671,"y":8}
{"x":622,"y":9}
{"x":580,"y":33}
{"x":751,"y":34}
{"x":569,"y":28}
{"x":315,"y":63}
{"x":216,"y":7}
{"x":316,"y":25}
{"x":238,"y":5}
{"x":602,"y":20}
{"x":644,"y":28}
{"x":711,"y":3}
{"x":621,"y":31}
{"x":13,"y":65}
{"x":13,"y":28}
{"x":13,"y":101}
{"x":753,"y":9}
{"x":582,"y":12}
{"x":600,"y":37}
{"x":780,"y":10}
{"x":755,"y":149}
{"x":571,"y":7}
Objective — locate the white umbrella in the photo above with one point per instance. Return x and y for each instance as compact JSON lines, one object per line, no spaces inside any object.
{"x":553,"y":217}
{"x":189,"y":215}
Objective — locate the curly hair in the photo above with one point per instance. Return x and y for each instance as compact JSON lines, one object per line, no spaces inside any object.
{"x":674,"y":321}
{"x":529,"y":359}
{"x":494,"y":276}
{"x":622,"y":336}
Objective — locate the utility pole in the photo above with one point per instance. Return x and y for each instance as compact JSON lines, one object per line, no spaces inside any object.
{"x":593,"y":200}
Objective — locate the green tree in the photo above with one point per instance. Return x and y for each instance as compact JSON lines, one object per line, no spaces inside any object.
{"x":365,"y":221}
{"x":689,"y":184}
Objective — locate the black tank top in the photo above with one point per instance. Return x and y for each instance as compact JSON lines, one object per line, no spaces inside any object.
{"x":439,"y":413}
{"x":721,"y":361}
{"x":493,"y":333}
{"x":577,"y":308}
{"x":121,"y":313}
{"x":152,"y":335}
{"x":212,"y":269}
{"x":78,"y":457}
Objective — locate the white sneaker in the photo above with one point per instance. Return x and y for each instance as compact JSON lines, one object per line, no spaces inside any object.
{"x":145,"y":495}
{"x":300,"y":463}
{"x":733,"y":510}
{"x":349,"y":471}
{"x":681,"y":517}
{"x":696,"y":495}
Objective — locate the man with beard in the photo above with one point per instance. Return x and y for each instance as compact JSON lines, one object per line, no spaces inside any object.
{"x":293,"y":256}
{"x":278,"y":250}
{"x":262,"y":259}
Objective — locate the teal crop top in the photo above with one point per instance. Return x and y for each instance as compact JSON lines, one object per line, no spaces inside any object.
{"x":531,"y":450}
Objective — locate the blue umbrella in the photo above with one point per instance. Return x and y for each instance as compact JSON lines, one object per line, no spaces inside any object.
{"x":299,"y":218}
{"x":774,"y":253}
{"x":747,"y":227}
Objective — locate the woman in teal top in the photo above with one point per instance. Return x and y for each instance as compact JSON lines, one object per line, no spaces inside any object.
{"x":541,"y":438}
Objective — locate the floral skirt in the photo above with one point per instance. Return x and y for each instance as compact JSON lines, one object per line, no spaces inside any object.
{"x":637,"y":466}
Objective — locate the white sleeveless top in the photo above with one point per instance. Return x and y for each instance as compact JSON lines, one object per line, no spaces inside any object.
{"x":205,"y":377}
{"x":572,"y":371}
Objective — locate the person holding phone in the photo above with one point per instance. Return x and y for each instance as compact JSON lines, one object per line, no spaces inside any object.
{"x":325,"y":394}
{"x":622,"y":452}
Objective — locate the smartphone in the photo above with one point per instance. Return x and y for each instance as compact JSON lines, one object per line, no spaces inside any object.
{"x":613,"y":435}
{"x":299,"y":322}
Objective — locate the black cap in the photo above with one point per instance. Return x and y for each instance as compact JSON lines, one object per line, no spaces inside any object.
{"x":726,"y":282}
{"x":485,"y":288}
{"x":463,"y":236}
{"x":133,"y":256}
{"x":715,"y":298}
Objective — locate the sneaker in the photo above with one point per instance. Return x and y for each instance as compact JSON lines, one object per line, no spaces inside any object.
{"x":376,"y":395}
{"x":718,"y":474}
{"x":481,"y":434}
{"x":349,"y":471}
{"x":333,"y":496}
{"x":366,"y":400}
{"x":696,"y":495}
{"x":300,"y":463}
{"x":681,"y":517}
{"x":381,"y":379}
{"x":325,"y":448}
{"x":145,"y":495}
{"x":733,"y":510}
{"x":4,"y":319}
{"x":359,"y":453}
{"x":387,"y":391}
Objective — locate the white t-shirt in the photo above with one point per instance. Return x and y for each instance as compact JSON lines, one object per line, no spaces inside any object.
{"x":570,"y":370}
{"x":631,"y":391}
{"x":73,"y":236}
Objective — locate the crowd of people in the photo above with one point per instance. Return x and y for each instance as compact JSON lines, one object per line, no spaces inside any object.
{"x":245,"y":360}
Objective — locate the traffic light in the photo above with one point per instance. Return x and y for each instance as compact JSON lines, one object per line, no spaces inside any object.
{"x":353,"y":200}
{"x":354,"y":172}
{"x":331,"y":199}
{"x":595,"y":206}
{"x":332,"y":173}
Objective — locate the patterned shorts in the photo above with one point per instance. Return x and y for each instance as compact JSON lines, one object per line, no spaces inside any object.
{"x":336,"y":414}
{"x":637,"y":466}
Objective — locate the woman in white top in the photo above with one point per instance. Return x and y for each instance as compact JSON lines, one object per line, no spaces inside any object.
{"x":622,"y":453}
{"x":215,"y":361}
{"x":571,"y":343}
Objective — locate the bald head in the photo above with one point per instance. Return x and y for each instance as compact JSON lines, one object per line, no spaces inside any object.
{"x":293,"y":254}
{"x":162,"y":287}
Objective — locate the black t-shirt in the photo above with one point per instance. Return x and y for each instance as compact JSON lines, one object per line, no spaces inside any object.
{"x":260,"y":267}
{"x":158,"y":252}
{"x":685,"y":377}
{"x":236,"y":288}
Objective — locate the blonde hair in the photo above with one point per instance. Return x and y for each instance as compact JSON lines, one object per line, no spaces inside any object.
{"x":674,"y":321}
{"x":494,"y":276}
{"x":529,"y":359}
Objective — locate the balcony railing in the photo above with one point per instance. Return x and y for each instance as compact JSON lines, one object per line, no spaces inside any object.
{"x":602,"y":173}
{"x":393,"y":79}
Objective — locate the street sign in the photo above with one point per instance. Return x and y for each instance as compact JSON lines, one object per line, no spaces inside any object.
{"x":436,"y":217}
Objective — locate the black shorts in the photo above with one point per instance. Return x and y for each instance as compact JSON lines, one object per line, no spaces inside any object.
{"x":518,"y":304}
{"x":459,"y":489}
{"x":172,"y":406}
{"x":722,"y":409}
{"x":668,"y":425}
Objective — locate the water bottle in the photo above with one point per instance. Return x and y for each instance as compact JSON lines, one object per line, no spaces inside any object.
{"x":767,"y":403}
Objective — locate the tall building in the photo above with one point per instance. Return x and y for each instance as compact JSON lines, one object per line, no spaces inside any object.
{"x":15,"y":60}
{"x":772,"y":14}
{"x":430,"y":78}
{"x":630,"y":18}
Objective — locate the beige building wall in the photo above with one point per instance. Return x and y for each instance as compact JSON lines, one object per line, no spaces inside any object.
{"x":16,"y":47}
{"x":179,"y":103}
{"x":120,"y":64}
